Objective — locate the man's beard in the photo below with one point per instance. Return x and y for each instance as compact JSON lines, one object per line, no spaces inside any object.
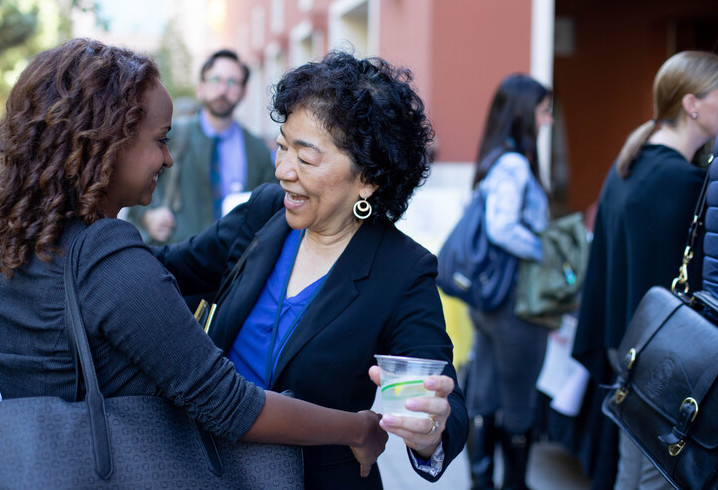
{"x":223,"y":110}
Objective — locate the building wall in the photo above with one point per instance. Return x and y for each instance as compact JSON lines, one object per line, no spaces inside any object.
{"x":604,"y":86}
{"x":457,"y":50}
{"x":405,"y":33}
{"x":458,"y":54}
{"x":607,"y":52}
{"x":474,"y":45}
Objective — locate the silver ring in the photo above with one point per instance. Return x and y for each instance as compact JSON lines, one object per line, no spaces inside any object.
{"x":434,"y":427}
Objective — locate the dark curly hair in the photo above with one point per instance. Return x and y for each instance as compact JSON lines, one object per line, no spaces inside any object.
{"x":373,"y":115}
{"x":67,"y":117}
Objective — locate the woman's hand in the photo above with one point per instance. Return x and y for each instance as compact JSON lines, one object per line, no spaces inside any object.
{"x":419,"y":433}
{"x":374,"y":443}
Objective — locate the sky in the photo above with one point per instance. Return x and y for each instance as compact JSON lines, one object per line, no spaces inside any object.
{"x":141,"y":16}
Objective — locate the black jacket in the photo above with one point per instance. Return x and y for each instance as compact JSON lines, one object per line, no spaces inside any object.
{"x":379,"y":298}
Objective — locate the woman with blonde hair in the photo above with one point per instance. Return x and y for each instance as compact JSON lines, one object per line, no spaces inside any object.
{"x":644,"y":211}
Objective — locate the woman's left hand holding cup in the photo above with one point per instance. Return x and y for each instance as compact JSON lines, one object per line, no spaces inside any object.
{"x":423,"y":435}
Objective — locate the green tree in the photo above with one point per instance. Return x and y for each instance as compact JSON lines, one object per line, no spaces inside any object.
{"x":16,"y":27}
{"x":23,"y":34}
{"x":66,"y":9}
{"x":175,"y":62}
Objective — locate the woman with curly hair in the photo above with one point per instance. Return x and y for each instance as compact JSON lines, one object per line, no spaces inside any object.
{"x":331,"y":281}
{"x":85,"y":134}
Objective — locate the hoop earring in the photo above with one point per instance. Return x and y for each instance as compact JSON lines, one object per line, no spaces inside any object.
{"x":362,"y":209}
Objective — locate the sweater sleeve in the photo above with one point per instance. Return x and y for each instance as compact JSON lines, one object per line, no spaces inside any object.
{"x":710,"y":241}
{"x":505,"y":187}
{"x":131,"y":305}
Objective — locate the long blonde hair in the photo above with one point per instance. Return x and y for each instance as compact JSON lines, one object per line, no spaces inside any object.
{"x":687,"y":72}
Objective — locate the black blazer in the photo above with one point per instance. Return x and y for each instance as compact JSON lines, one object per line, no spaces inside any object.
{"x":379,"y":298}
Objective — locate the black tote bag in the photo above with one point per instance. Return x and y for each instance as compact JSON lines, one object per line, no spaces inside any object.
{"x":128,"y":442}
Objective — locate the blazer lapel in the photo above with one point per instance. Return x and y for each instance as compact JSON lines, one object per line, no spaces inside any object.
{"x":248,"y":286}
{"x":336,"y":294}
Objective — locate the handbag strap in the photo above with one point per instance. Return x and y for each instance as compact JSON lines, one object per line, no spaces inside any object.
{"x":78,"y":340}
{"x":224,"y":287}
{"x":693,"y":232}
{"x":663,"y":306}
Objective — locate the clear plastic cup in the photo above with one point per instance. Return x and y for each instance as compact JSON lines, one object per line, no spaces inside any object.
{"x":403,"y":378}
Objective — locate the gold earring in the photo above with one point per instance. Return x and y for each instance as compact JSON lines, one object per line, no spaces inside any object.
{"x":362,"y":209}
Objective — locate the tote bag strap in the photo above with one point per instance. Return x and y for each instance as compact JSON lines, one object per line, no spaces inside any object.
{"x":224,"y":287}
{"x":78,"y":341}
{"x":205,"y":311}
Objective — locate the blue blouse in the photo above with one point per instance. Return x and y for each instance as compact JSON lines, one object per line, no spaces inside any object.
{"x":252,"y":346}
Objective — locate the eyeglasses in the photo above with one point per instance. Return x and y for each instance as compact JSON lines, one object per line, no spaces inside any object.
{"x":228,"y":82}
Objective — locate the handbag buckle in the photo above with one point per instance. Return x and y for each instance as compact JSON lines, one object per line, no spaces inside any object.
{"x":690,"y":405}
{"x":630,"y":358}
{"x":461,"y":281}
{"x":621,"y":394}
{"x":675,"y":449}
{"x":676,"y":438}
{"x":682,"y":279}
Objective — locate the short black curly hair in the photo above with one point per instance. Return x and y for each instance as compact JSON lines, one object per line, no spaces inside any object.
{"x":373,"y":115}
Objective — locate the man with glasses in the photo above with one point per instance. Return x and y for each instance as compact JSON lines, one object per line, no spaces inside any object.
{"x":217,"y":162}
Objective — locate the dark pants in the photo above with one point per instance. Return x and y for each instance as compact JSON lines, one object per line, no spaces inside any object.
{"x":508,"y":354}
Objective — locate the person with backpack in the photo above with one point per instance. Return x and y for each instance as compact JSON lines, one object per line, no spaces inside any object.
{"x":508,"y":351}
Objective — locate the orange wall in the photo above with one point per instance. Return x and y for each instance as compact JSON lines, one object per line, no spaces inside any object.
{"x":475,"y":44}
{"x":605,"y":90}
{"x":606,"y":86}
{"x":399,"y":42}
{"x":458,"y":51}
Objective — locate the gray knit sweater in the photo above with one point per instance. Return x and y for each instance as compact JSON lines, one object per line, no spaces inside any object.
{"x":144,"y":340}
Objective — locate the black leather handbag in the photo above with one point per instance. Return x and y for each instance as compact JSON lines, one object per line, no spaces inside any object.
{"x":125,"y":442}
{"x":665,"y":397}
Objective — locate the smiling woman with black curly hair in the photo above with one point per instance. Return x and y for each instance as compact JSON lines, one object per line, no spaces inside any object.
{"x":332,"y":281}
